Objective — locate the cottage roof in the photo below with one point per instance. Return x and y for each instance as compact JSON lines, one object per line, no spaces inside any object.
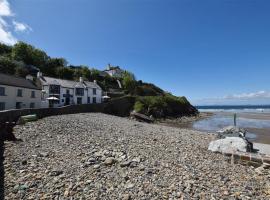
{"x":91,"y":84}
{"x":68,"y":83}
{"x":10,"y":80}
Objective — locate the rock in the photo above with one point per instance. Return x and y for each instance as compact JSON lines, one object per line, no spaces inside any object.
{"x":125,"y":163}
{"x":262,"y":168}
{"x":141,"y":117}
{"x":129,"y":185}
{"x":126,"y":197}
{"x":110,"y":161}
{"x":24,"y":162}
{"x":229,"y":145}
{"x":96,"y":166}
{"x":231,"y":131}
{"x":56,"y":173}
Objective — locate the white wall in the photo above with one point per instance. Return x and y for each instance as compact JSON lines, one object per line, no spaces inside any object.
{"x":11,"y":97}
{"x":87,"y":93}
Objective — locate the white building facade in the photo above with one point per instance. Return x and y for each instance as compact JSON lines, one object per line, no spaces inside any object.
{"x":18,"y":93}
{"x":59,"y":92}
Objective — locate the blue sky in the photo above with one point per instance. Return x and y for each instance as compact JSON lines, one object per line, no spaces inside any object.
{"x":213,"y":52}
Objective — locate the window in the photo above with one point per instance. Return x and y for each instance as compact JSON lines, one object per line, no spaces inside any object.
{"x":18,"y":105}
{"x":67,"y":92}
{"x":63,"y":100}
{"x":54,"y":89}
{"x":94,"y":91}
{"x":94,"y":100}
{"x":79,"y":91}
{"x":32,"y":105}
{"x":88,"y":99}
{"x":79,"y":100}
{"x":2,"y":105}
{"x":2,"y":91}
{"x":33,"y":94}
{"x":19,"y":93}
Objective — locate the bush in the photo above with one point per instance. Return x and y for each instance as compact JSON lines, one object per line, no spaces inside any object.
{"x":161,"y":106}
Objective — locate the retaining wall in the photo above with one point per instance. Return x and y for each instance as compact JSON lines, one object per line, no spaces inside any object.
{"x":120,"y":107}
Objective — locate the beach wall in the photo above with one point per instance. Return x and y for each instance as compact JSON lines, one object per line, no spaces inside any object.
{"x":119,"y":107}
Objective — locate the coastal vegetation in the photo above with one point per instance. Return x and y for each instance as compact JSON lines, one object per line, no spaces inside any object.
{"x":22,"y":59}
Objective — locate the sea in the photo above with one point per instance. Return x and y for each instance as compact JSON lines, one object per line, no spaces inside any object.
{"x":254,"y":118}
{"x":235,"y":108}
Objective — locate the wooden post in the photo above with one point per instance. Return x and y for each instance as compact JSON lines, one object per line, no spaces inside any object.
{"x":234,"y":119}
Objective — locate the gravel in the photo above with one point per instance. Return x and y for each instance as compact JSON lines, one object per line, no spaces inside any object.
{"x":98,"y":156}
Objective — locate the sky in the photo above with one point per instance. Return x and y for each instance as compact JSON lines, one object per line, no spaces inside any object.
{"x":212,"y":52}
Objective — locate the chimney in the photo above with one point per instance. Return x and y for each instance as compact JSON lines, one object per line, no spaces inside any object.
{"x":95,"y":81}
{"x":81,"y":79}
{"x":29,"y":77}
{"x":39,"y":74}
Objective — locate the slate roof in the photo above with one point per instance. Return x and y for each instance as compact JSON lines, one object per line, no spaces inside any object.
{"x":67,"y":83}
{"x":10,"y":80}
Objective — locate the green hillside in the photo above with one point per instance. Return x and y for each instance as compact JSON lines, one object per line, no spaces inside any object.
{"x":22,"y":59}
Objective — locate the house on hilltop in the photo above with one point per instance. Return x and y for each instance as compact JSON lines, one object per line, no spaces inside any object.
{"x":58,"y":92}
{"x":18,"y":93}
{"x":114,"y":71}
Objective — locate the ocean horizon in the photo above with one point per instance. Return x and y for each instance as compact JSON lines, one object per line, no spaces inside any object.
{"x":234,"y":108}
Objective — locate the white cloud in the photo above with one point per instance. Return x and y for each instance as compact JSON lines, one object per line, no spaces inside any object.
{"x":259,"y":97}
{"x":5,"y":8}
{"x":246,"y":96}
{"x":6,"y":14}
{"x":21,"y":27}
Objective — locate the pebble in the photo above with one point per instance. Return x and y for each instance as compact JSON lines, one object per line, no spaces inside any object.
{"x":99,"y":156}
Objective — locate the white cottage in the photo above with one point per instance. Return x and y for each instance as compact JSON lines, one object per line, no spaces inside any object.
{"x":114,"y":71}
{"x":59,"y":92}
{"x":18,"y":93}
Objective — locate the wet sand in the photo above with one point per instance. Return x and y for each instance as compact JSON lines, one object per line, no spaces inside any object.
{"x":262,"y":134}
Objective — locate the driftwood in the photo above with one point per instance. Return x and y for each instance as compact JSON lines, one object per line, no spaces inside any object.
{"x":141,"y":117}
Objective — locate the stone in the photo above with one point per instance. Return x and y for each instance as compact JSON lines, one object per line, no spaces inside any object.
{"x":126,"y":197}
{"x":229,"y":145}
{"x":231,"y":131}
{"x":56,"y":173}
{"x":110,"y":161}
{"x":96,"y":166}
{"x":125,"y":163}
{"x":129,"y":185}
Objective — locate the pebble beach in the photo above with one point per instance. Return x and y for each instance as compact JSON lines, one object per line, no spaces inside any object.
{"x":99,"y":156}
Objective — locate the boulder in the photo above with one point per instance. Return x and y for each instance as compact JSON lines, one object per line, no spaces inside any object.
{"x":230,"y":145}
{"x":141,"y":117}
{"x":231,"y":131}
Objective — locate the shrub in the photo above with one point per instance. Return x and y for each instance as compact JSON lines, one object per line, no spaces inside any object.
{"x":161,"y":106}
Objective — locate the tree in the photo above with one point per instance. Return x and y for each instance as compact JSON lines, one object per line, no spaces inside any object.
{"x":21,"y":70}
{"x":64,"y":73}
{"x":52,"y":65}
{"x":5,"y":50}
{"x":7,"y":66}
{"x":129,"y":81}
{"x":29,"y":54}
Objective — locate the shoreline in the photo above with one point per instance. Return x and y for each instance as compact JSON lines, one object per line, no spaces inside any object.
{"x":262,"y":134}
{"x":184,"y":122}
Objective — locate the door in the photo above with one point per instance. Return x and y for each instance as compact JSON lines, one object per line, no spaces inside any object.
{"x":79,"y":100}
{"x":67,"y":100}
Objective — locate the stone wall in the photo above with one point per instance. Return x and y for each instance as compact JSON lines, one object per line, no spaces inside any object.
{"x":120,"y":107}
